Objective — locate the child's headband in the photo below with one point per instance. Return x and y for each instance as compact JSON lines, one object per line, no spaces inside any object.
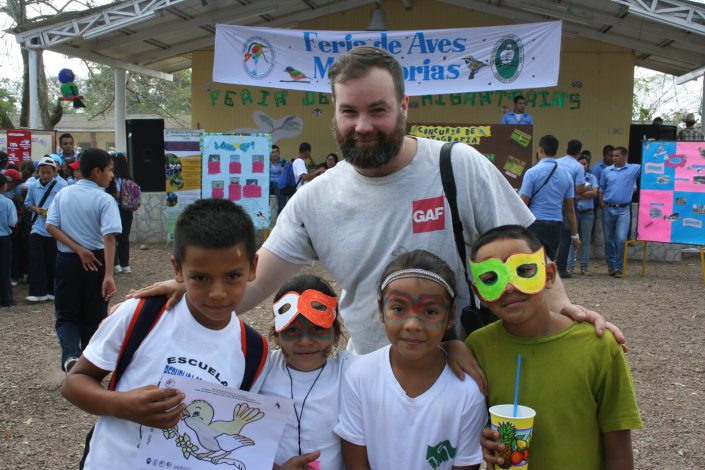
{"x":419,"y":273}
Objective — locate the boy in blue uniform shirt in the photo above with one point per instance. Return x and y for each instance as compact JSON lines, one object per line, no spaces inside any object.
{"x":84,"y":219}
{"x":585,"y":214}
{"x":8,"y":219}
{"x":615,"y":195}
{"x":548,"y":191}
{"x":42,"y":246}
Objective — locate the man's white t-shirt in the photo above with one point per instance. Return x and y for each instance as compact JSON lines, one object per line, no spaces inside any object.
{"x":177,"y":345}
{"x":299,"y":167}
{"x":356,"y":225}
{"x":410,"y":433}
{"x":318,"y":415}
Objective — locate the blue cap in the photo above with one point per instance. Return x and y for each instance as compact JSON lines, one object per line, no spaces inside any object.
{"x":59,"y":161}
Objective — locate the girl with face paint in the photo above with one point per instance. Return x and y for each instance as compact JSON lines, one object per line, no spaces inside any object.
{"x":402,"y":407}
{"x":303,"y":369}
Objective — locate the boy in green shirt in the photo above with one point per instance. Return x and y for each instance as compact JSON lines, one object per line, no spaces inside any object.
{"x":578,"y":384}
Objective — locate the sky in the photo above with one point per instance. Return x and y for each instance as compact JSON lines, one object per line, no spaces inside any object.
{"x":687,"y":96}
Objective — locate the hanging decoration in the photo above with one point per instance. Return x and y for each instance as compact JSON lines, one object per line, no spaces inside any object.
{"x":69,"y":90}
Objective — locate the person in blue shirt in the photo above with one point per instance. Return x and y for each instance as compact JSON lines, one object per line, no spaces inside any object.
{"x":518,"y":115}
{"x":276,"y":166}
{"x":8,"y":219}
{"x":84,"y":220}
{"x":606,"y":161}
{"x":585,"y":213}
{"x":615,"y":195}
{"x":569,"y":162}
{"x":42,"y":246}
{"x":548,"y":191}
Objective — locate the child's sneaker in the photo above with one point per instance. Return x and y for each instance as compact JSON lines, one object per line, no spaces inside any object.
{"x":34,"y":299}
{"x":126,"y":269}
{"x":117,"y":269}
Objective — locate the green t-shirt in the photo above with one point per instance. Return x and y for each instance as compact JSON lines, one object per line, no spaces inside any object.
{"x":578,"y":383}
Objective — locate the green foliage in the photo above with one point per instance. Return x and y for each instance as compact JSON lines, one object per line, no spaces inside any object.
{"x":144,"y":95}
{"x":9,"y":101}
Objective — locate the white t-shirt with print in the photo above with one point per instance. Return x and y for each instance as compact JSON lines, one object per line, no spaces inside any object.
{"x":320,"y":413}
{"x":177,"y":345}
{"x":410,"y":433}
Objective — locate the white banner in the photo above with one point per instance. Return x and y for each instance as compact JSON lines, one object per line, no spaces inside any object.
{"x":435,"y":61}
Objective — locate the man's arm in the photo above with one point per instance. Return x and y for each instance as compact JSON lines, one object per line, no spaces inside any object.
{"x":580,"y":189}
{"x":311,"y":174}
{"x":569,"y":208}
{"x":272,"y":272}
{"x":526,"y":199}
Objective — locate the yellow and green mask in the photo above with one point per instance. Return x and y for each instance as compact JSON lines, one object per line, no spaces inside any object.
{"x":526,"y":272}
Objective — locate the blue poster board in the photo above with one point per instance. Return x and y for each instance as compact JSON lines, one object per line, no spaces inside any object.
{"x":236,"y":167}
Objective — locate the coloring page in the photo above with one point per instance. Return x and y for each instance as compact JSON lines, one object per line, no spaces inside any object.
{"x":221,"y":428}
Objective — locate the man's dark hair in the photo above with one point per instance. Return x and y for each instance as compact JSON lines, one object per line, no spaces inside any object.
{"x":275,"y":146}
{"x":65,"y":135}
{"x":607,"y":149}
{"x":574,"y":147}
{"x":213,"y":223}
{"x":622,"y":150}
{"x":505,"y":232}
{"x":3,"y":180}
{"x":4,"y":159}
{"x":657,"y":120}
{"x":359,"y":61}
{"x":93,"y":158}
{"x":304,"y":147}
{"x":121,"y":169}
{"x":549,"y":144}
{"x":585,"y":155}
{"x":519,"y":97}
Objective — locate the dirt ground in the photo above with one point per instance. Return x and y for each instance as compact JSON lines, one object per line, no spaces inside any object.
{"x":662,"y":314}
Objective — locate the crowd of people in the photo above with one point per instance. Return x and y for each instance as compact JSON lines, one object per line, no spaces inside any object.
{"x":30,"y":250}
{"x":379,"y":223}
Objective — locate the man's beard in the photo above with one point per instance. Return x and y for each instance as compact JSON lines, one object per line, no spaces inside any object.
{"x":388,"y":146}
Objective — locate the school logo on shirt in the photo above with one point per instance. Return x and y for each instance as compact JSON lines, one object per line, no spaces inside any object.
{"x":428,"y":215}
{"x":440,"y":453}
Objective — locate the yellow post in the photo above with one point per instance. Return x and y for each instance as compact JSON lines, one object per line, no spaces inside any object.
{"x":643,"y":260}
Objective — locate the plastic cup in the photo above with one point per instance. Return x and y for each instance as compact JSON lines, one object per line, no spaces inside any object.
{"x":515,"y":432}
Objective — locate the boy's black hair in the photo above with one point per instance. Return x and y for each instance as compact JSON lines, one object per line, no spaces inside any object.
{"x":121,"y":169}
{"x":213,"y":223}
{"x":622,"y":150}
{"x":303,"y":282}
{"x":518,"y":97}
{"x":305,"y":146}
{"x":3,"y":180}
{"x":65,"y":135}
{"x":420,"y":259}
{"x":505,"y":232}
{"x":275,"y":146}
{"x":549,"y":144}
{"x":93,"y":158}
{"x":607,"y":149}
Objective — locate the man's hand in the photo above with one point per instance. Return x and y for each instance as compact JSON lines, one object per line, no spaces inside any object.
{"x":462,"y":361}
{"x":581,"y":314}
{"x":576,"y":243}
{"x":88,"y":260}
{"x":109,"y":289}
{"x":489,"y":440}
{"x":150,"y":406}
{"x":171,"y":289}
{"x":300,"y":462}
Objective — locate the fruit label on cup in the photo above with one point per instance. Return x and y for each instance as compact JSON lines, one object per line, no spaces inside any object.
{"x":515,"y":433}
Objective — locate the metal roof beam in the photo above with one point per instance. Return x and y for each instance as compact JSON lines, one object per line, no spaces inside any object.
{"x":101,"y":59}
{"x":692,"y":75}
{"x":687,"y":16}
{"x":106,"y":21}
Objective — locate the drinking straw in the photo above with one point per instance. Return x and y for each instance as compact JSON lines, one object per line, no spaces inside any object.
{"x":516,"y":386}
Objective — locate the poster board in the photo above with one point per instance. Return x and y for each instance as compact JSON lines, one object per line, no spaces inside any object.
{"x":42,"y":142}
{"x":672,"y":196}
{"x":236,"y":167}
{"x":182,"y":159}
{"x":507,"y":146}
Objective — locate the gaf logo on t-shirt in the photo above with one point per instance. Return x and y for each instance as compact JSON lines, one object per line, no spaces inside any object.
{"x":429,"y":215}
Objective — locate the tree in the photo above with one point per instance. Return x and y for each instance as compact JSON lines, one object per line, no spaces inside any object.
{"x":40,"y":10}
{"x":8,"y":103}
{"x":656,"y":94}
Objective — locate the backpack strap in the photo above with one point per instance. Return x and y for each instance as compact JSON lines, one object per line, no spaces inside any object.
{"x":148,"y":312}
{"x":255,"y":349}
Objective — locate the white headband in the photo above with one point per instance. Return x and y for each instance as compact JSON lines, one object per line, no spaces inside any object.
{"x":421,"y":273}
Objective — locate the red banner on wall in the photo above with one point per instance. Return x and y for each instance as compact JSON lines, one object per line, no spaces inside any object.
{"x":19,"y":145}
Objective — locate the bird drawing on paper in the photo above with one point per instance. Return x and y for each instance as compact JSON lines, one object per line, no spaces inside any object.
{"x":255,"y":50}
{"x":220,"y":438}
{"x":296,"y":75}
